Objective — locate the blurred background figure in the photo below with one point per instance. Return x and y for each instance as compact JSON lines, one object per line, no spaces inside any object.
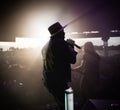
{"x":89,"y":73}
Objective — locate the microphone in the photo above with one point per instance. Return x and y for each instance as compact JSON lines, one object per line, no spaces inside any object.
{"x":72,"y":42}
{"x":77,"y":46}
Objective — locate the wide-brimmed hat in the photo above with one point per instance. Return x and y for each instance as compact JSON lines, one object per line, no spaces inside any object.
{"x":55,"y":28}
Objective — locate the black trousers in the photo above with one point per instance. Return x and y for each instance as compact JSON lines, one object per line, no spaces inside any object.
{"x":57,"y":89}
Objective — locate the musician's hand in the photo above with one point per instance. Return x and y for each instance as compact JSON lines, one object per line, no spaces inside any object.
{"x":70,"y":41}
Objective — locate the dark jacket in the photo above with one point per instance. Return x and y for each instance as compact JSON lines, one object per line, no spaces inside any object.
{"x":57,"y":57}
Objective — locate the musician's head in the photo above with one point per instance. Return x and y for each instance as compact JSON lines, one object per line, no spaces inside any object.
{"x":89,"y":47}
{"x":56,"y":30}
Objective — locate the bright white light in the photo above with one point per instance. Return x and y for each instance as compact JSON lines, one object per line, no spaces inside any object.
{"x":31,"y":42}
{"x":35,"y":30}
{"x":36,"y":26}
{"x":114,"y":31}
{"x":74,"y":32}
{"x":94,"y":31}
{"x":86,"y":32}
